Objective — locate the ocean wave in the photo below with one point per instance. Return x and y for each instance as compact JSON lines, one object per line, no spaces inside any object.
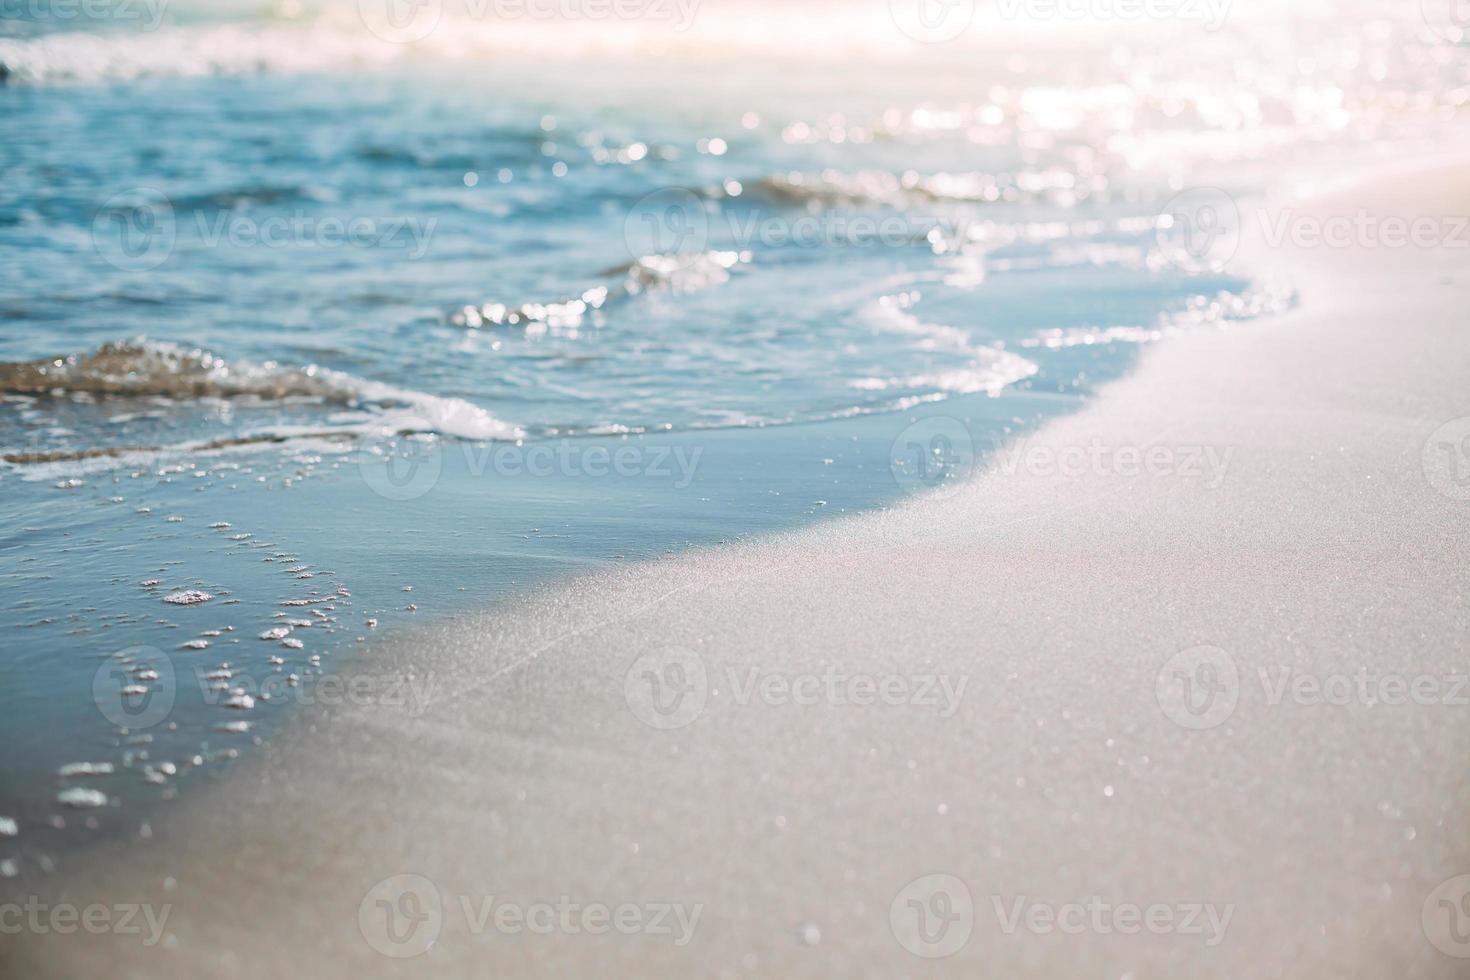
{"x":676,"y":273}
{"x":224,"y":49}
{"x":989,"y":369}
{"x":834,"y":188}
{"x":142,"y":368}
{"x":1268,"y":298}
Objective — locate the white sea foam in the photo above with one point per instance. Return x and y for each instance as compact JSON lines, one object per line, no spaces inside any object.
{"x":143,"y":368}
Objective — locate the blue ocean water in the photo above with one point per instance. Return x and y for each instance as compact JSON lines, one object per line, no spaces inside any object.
{"x":342,"y":332}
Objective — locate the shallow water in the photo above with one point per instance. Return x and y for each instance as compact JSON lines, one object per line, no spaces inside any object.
{"x":453,"y":319}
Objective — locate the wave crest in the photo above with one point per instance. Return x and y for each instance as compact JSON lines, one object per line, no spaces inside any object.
{"x":141,"y":368}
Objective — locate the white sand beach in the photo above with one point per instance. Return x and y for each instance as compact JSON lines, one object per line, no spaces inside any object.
{"x":1037,"y":753}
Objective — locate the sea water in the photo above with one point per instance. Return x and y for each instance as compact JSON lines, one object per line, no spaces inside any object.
{"x":316,"y":323}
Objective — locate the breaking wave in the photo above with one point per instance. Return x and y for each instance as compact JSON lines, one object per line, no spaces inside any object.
{"x":674,"y":273}
{"x":143,"y":368}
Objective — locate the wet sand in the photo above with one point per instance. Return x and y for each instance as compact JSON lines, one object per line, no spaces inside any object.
{"x":1019,"y":648}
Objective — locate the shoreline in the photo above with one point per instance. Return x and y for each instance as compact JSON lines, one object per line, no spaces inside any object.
{"x":1003,"y":706}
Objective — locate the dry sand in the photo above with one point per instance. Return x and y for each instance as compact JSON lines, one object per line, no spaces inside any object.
{"x":1320,"y":830}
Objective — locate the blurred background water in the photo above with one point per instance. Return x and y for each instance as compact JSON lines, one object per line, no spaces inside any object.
{"x":308,"y":304}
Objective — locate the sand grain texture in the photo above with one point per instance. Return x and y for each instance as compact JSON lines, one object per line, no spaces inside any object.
{"x":1059,"y":777}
